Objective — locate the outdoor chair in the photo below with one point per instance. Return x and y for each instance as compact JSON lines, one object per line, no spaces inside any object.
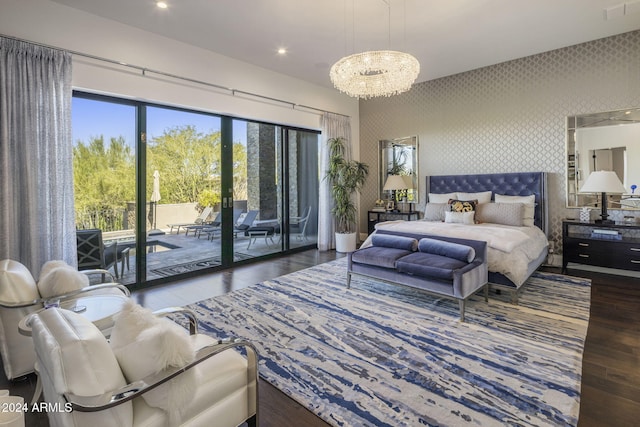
{"x":196,"y":381}
{"x":199,"y":229}
{"x":298,"y":225}
{"x":198,"y":221}
{"x":93,"y":253}
{"x":246,"y":223}
{"x":20,"y":296}
{"x":215,"y":228}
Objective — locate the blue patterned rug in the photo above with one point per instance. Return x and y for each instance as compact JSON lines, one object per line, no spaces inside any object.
{"x":383,"y":355}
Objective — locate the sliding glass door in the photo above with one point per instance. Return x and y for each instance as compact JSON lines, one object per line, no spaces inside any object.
{"x":104,"y":173}
{"x":257,"y":189}
{"x":181,"y":192}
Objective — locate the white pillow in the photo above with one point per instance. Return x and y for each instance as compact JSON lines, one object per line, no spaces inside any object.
{"x":50,"y":265}
{"x":61,"y":280}
{"x":481,"y":197}
{"x":145,"y":346}
{"x":500,"y":213}
{"x":435,"y":211}
{"x":459,"y":217}
{"x":441,"y":198}
{"x":528,"y":213}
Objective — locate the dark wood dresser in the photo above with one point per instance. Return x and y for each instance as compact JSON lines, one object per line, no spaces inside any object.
{"x":603,"y":245}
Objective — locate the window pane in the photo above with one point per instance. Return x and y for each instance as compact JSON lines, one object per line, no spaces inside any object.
{"x":257,"y":189}
{"x":183,"y":192}
{"x":104,"y":175}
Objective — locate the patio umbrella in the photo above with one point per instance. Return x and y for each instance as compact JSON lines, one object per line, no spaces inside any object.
{"x":155,"y":197}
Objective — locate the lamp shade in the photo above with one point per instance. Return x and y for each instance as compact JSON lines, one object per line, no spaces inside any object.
{"x":603,"y":182}
{"x":394,"y":182}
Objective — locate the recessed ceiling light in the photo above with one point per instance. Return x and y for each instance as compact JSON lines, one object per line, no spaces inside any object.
{"x":162,"y":4}
{"x":282,"y":51}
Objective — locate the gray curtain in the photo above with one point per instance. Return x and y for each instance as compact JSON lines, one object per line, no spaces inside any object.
{"x":333,"y":126}
{"x":36,"y":179}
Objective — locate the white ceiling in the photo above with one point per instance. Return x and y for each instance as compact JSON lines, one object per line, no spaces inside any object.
{"x":447,"y":36}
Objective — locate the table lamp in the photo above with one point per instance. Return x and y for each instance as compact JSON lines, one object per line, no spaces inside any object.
{"x":603,"y":182}
{"x":394,"y":183}
{"x":408,"y":180}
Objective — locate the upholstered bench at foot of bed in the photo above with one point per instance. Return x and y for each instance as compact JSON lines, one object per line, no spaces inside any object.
{"x":379,"y":256}
{"x":454,"y":268}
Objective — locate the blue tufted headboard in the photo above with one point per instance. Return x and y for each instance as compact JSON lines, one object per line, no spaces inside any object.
{"x":512,"y":184}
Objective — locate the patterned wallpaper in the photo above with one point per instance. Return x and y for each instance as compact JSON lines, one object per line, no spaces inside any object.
{"x":508,"y":117}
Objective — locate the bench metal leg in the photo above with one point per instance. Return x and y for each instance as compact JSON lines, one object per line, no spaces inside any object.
{"x":514,"y":297}
{"x":461,"y":303}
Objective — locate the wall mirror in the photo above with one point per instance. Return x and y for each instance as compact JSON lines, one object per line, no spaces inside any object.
{"x":399,"y":157}
{"x":604,"y":141}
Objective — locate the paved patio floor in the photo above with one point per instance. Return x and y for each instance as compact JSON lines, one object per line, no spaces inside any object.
{"x":171,"y":254}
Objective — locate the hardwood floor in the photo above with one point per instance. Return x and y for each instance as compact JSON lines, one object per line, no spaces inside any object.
{"x":611,"y":364}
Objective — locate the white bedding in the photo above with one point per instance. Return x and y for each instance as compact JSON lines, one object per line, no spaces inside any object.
{"x":509,"y":249}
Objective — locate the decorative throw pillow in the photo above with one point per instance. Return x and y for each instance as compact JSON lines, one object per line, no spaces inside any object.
{"x":50,"y":265}
{"x":145,"y":346}
{"x":60,"y":281}
{"x":462,"y":205}
{"x":441,"y":198}
{"x":529,"y":202}
{"x":500,"y":213}
{"x":395,"y":242}
{"x":481,"y":197}
{"x":459,"y":217}
{"x":447,"y":249}
{"x":435,"y":211}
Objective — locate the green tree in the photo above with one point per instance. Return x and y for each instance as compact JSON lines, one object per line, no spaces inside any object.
{"x":190,"y":166}
{"x":104,"y":175}
{"x":188,"y":161}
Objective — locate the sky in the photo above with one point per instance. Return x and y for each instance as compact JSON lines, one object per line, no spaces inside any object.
{"x":91,"y":118}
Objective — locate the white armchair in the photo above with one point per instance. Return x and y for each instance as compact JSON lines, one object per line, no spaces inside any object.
{"x":83,"y":371}
{"x":20,"y":296}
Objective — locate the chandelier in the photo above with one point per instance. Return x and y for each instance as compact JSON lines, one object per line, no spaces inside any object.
{"x":375,"y":73}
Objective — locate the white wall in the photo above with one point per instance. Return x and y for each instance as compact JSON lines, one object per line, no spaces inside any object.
{"x":52,"y":24}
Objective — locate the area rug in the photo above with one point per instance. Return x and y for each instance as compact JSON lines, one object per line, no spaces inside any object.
{"x":384,"y":355}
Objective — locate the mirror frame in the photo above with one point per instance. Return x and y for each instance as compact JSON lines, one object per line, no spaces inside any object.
{"x":572,"y":161}
{"x":383,"y":164}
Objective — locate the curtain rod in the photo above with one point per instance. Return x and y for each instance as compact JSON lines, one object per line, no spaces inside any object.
{"x":145,"y":70}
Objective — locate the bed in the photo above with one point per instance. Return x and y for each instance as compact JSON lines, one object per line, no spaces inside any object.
{"x":514,"y":251}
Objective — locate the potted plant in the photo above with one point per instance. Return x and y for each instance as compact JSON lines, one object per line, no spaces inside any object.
{"x":345,"y":178}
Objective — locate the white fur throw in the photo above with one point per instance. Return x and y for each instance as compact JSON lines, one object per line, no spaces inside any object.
{"x":145,"y":346}
{"x":58,"y":278}
{"x":50,"y":265}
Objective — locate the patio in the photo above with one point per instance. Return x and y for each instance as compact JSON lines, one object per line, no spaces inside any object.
{"x":170,"y":253}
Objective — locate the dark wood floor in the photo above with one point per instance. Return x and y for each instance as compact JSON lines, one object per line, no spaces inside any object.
{"x":611,"y":364}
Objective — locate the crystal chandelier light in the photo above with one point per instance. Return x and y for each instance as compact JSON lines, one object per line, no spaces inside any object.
{"x":375,"y":73}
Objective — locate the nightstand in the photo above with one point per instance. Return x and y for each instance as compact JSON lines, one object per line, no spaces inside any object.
{"x":375,"y":217}
{"x":603,"y":245}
